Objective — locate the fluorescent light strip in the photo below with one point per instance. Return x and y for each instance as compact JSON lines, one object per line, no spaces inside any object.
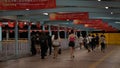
{"x":106,"y":7}
{"x":117,"y":22}
{"x":99,"y":0}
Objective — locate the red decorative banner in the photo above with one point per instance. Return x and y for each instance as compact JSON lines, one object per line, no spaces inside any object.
{"x":69,"y":16}
{"x":26,"y":4}
{"x":21,"y":24}
{"x":89,"y":21}
{"x":0,"y":24}
{"x":38,"y":25}
{"x":11,"y":24}
{"x":95,"y":23}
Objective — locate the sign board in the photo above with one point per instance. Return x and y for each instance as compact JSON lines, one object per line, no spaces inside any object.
{"x":26,"y":4}
{"x":69,"y":16}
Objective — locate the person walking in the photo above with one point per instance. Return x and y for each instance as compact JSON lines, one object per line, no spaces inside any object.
{"x":72,"y":37}
{"x":81,"y":41}
{"x":93,"y":44}
{"x":97,"y":40}
{"x":56,"y":43}
{"x":33,"y":50}
{"x":43,"y":44}
{"x":102,"y":42}
{"x":37,"y":43}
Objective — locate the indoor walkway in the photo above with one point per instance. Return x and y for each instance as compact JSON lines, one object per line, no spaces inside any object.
{"x":83,"y":59}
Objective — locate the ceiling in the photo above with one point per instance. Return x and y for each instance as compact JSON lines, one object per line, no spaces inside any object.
{"x":95,"y":8}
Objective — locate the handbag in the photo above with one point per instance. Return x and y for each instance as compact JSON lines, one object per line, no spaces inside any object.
{"x":56,"y":43}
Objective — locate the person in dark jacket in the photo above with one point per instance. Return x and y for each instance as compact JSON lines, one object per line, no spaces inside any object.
{"x":97,"y":40}
{"x":43,"y":44}
{"x":93,"y":45}
{"x":37,"y":43}
{"x":33,"y":50}
{"x":103,"y":43}
{"x":49,"y":43}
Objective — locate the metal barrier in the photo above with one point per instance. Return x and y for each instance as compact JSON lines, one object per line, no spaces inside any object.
{"x":8,"y":49}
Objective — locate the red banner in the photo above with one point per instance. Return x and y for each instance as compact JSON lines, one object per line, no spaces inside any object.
{"x":38,"y":25}
{"x":11,"y":24}
{"x":26,"y":4}
{"x":0,"y":24}
{"x":69,"y":16}
{"x":89,"y":21}
{"x":21,"y":24}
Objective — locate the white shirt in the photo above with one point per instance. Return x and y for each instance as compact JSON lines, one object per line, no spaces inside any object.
{"x":81,"y":39}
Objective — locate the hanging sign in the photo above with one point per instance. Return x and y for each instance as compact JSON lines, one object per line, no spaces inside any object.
{"x":94,"y":25}
{"x":11,"y":24}
{"x":26,"y":4}
{"x":0,"y":24}
{"x":88,"y":21}
{"x":69,"y":16}
{"x":21,"y":24}
{"x":38,"y":25}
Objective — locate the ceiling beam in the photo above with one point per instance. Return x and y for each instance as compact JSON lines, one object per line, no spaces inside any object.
{"x":67,"y":9}
{"x":88,"y":3}
{"x":91,"y":16}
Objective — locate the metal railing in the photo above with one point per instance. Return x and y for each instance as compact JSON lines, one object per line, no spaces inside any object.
{"x":8,"y":49}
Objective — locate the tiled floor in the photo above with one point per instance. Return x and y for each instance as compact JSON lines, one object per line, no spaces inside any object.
{"x":83,"y":59}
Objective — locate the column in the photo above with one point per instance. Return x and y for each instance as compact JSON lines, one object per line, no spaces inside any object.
{"x":87,"y":32}
{"x":43,"y":27}
{"x":29,"y":35}
{"x":80,"y":33}
{"x":65,"y":32}
{"x":7,"y":34}
{"x":0,"y":33}
{"x":0,"y":39}
{"x":16,"y":39}
{"x":49,"y":29}
{"x":58,"y":31}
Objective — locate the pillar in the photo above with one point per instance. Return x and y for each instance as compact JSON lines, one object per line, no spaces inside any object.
{"x":0,"y":39}
{"x":49,"y":29}
{"x":29,"y":35}
{"x":16,"y":39}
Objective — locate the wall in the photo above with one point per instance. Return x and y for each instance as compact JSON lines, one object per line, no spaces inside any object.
{"x":112,"y":38}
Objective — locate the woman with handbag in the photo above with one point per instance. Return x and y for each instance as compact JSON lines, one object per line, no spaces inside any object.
{"x":56,"y":44}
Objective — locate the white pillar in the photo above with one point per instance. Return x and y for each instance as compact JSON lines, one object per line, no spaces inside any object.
{"x":7,"y":34}
{"x":49,"y":29}
{"x":16,"y":39}
{"x":29,"y":36}
{"x":0,"y":39}
{"x":65,"y":32}
{"x":0,"y":33}
{"x":58,"y":31}
{"x":43,"y":27}
{"x":87,"y":32}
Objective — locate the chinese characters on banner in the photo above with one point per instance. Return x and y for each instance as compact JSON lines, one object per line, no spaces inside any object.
{"x":89,"y":21}
{"x":69,"y":16}
{"x":26,"y":4}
